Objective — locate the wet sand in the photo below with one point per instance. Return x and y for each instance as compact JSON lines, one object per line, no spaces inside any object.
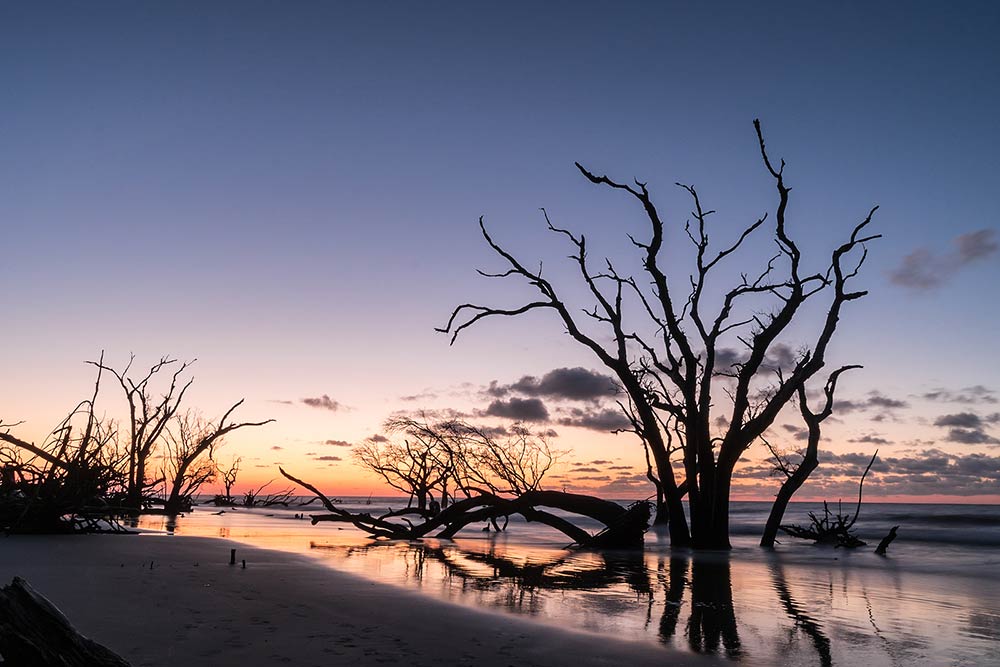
{"x":175,"y":600}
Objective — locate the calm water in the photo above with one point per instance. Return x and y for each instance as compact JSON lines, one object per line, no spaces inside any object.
{"x":934,"y":601}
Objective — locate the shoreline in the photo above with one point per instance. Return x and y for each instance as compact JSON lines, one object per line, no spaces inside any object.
{"x":167,"y":600}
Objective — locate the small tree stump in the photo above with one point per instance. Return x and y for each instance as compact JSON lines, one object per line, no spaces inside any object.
{"x":886,"y":541}
{"x":34,"y":632}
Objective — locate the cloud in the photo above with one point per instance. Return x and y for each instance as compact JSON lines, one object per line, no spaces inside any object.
{"x":596,"y":419}
{"x":519,"y":409}
{"x":879,"y":401}
{"x":872,"y":439}
{"x":796,"y":431}
{"x":328,"y":458}
{"x":971,"y":436}
{"x":926,"y":472}
{"x":378,"y":437}
{"x":925,"y":270}
{"x":968,"y":428}
{"x":324,"y":402}
{"x":574,"y":384}
{"x":277,"y":447}
{"x":960,"y":419}
{"x":971,"y":395}
{"x":874,"y":400}
{"x":586,"y":469}
{"x":976,"y":245}
{"x":422,"y":396}
{"x":725,"y":357}
{"x":781,"y":356}
{"x":337,"y":443}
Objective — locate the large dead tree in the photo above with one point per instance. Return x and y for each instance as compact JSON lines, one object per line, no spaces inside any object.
{"x":672,"y":377}
{"x":149,"y":416}
{"x":190,"y":446}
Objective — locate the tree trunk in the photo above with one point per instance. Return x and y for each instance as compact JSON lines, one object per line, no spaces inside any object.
{"x":134,"y":496}
{"x":680,"y":536}
{"x":716,"y":535}
{"x":785,"y":493}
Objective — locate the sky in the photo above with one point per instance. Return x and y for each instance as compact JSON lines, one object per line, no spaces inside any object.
{"x":289,"y":193}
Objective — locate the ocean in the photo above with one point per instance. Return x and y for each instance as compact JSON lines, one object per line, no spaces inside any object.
{"x":934,"y":600}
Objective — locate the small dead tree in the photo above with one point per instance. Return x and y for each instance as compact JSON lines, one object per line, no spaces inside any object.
{"x":833,"y":528}
{"x":417,"y":466}
{"x":190,"y":447}
{"x":668,"y":363}
{"x":796,"y":475}
{"x":229,"y":475}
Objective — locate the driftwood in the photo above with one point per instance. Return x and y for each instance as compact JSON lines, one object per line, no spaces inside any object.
{"x":833,"y":528}
{"x":34,"y":633}
{"x":886,"y":541}
{"x":624,"y":527}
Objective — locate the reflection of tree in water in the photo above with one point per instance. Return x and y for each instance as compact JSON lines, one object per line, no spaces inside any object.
{"x":713,"y":616}
{"x":802,"y":620}
{"x":485,"y":570}
{"x":697,"y":592}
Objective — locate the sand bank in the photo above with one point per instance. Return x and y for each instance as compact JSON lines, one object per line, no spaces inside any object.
{"x":176,"y":600}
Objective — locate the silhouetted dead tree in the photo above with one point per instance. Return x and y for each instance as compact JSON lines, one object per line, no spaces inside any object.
{"x":229,"y":475}
{"x":796,"y":475}
{"x":190,"y":448}
{"x":833,"y":528}
{"x":148,"y":418}
{"x":670,"y":376}
{"x":417,"y":466}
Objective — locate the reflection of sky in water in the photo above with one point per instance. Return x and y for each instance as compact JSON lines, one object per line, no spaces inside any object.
{"x":800,"y":605}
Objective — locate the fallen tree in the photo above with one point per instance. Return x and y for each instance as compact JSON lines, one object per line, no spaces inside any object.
{"x":624,"y":527}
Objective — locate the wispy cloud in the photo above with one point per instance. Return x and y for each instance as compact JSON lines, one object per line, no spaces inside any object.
{"x":323,"y":402}
{"x":924,"y":269}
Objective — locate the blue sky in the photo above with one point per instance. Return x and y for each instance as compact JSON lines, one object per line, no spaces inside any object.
{"x":289,"y":192}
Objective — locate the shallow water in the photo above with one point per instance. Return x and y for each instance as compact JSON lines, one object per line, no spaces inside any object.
{"x":934,"y":601}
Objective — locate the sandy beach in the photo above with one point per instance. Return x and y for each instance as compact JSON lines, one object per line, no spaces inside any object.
{"x":176,"y":600}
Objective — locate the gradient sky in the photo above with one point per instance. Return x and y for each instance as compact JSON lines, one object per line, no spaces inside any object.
{"x":289,"y":192}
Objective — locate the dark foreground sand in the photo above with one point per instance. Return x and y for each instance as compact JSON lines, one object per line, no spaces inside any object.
{"x":176,"y":601}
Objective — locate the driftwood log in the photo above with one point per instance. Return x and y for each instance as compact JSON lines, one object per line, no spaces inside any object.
{"x":34,"y":633}
{"x":624,"y":528}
